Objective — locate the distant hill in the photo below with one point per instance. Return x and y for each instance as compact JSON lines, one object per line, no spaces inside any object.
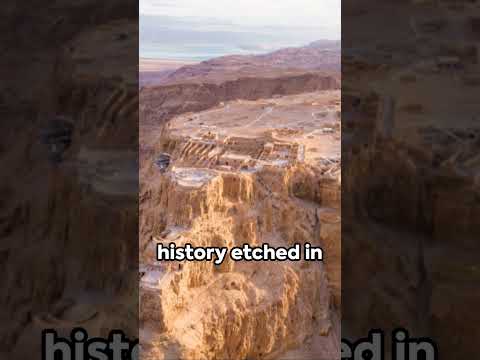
{"x":321,"y":56}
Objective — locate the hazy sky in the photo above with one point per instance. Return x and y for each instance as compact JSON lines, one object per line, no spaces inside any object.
{"x":309,"y":14}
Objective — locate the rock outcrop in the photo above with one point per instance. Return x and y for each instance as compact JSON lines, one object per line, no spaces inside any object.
{"x":158,"y":104}
{"x":410,"y":180}
{"x":68,"y":214}
{"x":224,"y":189}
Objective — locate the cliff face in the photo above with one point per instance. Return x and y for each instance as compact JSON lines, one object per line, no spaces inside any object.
{"x":428,"y":224}
{"x":411,"y":172}
{"x":410,"y":200}
{"x":158,"y":104}
{"x":222,"y":189}
{"x":67,"y":222}
{"x":237,"y":310}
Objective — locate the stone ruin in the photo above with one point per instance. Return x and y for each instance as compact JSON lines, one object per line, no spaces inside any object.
{"x":235,"y":153}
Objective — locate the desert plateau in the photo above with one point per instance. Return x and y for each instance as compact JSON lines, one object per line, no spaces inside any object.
{"x":240,"y":151}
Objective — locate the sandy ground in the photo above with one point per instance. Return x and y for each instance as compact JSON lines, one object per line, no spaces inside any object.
{"x":310,"y":119}
{"x":153,"y":65}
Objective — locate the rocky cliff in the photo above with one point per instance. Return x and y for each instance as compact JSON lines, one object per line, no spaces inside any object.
{"x":212,"y":185}
{"x":68,"y":214}
{"x":410,"y":201}
{"x":158,"y":104}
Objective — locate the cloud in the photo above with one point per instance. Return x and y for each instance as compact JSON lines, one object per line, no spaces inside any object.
{"x":305,"y":13}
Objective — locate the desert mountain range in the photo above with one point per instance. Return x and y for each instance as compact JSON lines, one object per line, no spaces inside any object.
{"x":320,"y":56}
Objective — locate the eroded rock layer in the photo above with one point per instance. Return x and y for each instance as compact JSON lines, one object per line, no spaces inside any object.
{"x":68,"y":214}
{"x":249,"y":174}
{"x":411,"y":172}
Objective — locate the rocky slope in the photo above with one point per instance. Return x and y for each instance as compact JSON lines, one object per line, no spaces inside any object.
{"x":232,"y":180}
{"x":322,"y":57}
{"x":158,"y":104}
